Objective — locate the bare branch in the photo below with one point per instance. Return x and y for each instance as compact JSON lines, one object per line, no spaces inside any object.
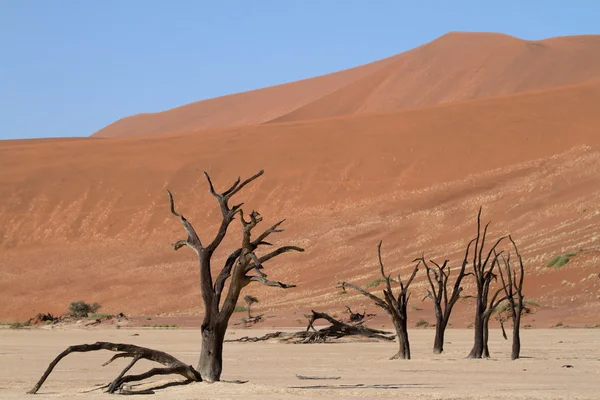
{"x":173,"y":364}
{"x":236,"y":188}
{"x":362,"y":291}
{"x":193,"y":240}
{"x":263,"y":279}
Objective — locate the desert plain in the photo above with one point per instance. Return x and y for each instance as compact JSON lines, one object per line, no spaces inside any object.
{"x":555,"y":364}
{"x":403,"y":150}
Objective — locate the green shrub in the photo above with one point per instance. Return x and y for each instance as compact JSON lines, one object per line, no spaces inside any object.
{"x":560,"y":261}
{"x":80,"y":309}
{"x":240,"y":309}
{"x":422,"y":323}
{"x":19,"y":325}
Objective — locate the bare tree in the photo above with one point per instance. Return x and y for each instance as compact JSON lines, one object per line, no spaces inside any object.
{"x":483,"y":271}
{"x":513,"y":289}
{"x":238,"y":266}
{"x":395,"y":306}
{"x":438,"y":282}
{"x":249,"y":301}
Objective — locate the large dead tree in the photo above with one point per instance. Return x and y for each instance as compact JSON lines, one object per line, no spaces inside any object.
{"x":443,"y":303}
{"x":395,"y":306}
{"x":237,"y":270}
{"x":242,"y":267}
{"x":483,"y":271}
{"x":512,"y":284}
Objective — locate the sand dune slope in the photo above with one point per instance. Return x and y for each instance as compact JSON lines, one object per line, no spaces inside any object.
{"x":89,"y":218}
{"x":454,"y":67}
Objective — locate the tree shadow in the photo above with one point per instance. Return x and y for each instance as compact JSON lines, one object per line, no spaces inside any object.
{"x":365,"y":386}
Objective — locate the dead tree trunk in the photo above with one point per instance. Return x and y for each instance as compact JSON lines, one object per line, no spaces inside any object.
{"x":443,"y":304}
{"x":513,"y":289}
{"x":483,"y":271}
{"x":238,"y":265}
{"x":394,"y":306}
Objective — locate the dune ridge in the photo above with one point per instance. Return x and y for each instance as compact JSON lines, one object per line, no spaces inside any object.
{"x":455,"y":67}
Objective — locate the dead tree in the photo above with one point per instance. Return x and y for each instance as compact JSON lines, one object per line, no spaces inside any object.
{"x":443,"y":304}
{"x":249,"y":301}
{"x":483,"y":271}
{"x":513,"y":289}
{"x":237,"y":269}
{"x":395,"y":306}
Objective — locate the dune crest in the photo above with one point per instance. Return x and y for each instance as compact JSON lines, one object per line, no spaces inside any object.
{"x":455,"y":67}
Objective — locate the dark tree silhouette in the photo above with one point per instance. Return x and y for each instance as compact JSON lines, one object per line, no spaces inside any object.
{"x":395,"y":306}
{"x":443,"y":303}
{"x":483,"y":271}
{"x":249,"y":301}
{"x":237,"y":268}
{"x":512,"y":284}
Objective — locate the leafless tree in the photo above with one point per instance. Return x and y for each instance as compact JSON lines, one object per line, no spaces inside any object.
{"x":438,"y":282}
{"x":237,"y":269}
{"x":512,"y":284}
{"x":249,"y":301}
{"x":483,"y":271}
{"x":395,"y":306}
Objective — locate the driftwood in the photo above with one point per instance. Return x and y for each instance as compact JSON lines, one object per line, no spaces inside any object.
{"x":336,"y":330}
{"x":136,"y":353}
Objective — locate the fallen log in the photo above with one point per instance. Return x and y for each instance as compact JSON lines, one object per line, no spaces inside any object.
{"x":336,"y":330}
{"x":136,"y":353}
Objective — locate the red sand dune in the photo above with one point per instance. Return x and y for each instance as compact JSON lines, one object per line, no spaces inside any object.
{"x":88,"y":219}
{"x":454,"y":67}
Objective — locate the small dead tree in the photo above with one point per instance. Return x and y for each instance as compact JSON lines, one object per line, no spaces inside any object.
{"x":238,"y":267}
{"x":438,"y":282}
{"x":483,"y":271}
{"x":395,"y":306}
{"x":512,"y":284}
{"x":249,"y":301}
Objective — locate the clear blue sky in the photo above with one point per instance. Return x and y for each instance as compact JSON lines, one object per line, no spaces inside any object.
{"x":69,"y":68}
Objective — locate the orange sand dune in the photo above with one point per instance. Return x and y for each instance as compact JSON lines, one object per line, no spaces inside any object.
{"x":455,"y":67}
{"x":88,"y":219}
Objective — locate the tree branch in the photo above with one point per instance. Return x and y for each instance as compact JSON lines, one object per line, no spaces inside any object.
{"x":193,"y":240}
{"x":362,"y":291}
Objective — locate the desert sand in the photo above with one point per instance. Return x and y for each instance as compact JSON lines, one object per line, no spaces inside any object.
{"x":88,"y":219}
{"x":271,"y":368}
{"x":455,"y":67}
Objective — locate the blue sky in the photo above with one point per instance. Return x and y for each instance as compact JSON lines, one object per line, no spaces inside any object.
{"x":69,"y":68}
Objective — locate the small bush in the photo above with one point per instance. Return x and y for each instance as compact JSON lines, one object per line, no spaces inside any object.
{"x":240,"y":309}
{"x":375,"y":283}
{"x":19,"y":325}
{"x":560,"y":261}
{"x":531,"y":303}
{"x":422,"y":323}
{"x":80,"y":309}
{"x":415,"y":308}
